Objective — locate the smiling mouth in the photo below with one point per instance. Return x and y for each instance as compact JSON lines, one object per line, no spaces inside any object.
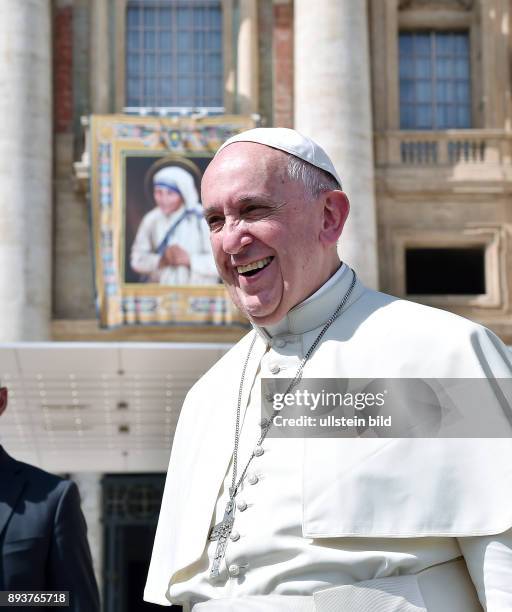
{"x":254,"y":267}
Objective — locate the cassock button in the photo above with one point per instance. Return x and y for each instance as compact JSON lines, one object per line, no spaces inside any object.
{"x":252,"y":479}
{"x":235,"y":536}
{"x":258,"y":451}
{"x":275,"y":369}
{"x":234,"y":570}
{"x":280,"y":342}
{"x":242,"y":505}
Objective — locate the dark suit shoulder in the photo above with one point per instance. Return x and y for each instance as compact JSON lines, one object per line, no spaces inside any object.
{"x":44,"y":478}
{"x":42,"y":485}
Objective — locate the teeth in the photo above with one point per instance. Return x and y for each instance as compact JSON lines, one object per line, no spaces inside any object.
{"x":255,"y":265}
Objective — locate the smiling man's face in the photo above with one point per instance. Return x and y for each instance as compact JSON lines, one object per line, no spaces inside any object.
{"x":264,"y":231}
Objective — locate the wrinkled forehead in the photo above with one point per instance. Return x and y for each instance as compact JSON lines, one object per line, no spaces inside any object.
{"x":247,"y":160}
{"x":254,"y":153}
{"x":245,"y":169}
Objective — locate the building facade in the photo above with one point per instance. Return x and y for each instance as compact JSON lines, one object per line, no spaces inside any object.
{"x":412,"y":100}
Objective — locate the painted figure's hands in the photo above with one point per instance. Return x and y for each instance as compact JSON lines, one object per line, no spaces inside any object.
{"x":175,"y":256}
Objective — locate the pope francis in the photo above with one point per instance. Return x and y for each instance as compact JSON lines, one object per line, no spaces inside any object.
{"x":251,"y":522}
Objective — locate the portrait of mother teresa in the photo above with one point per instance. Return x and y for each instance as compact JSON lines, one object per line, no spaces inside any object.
{"x":172,"y":245}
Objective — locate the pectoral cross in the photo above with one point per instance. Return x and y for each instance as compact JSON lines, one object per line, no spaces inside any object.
{"x":221,"y":532}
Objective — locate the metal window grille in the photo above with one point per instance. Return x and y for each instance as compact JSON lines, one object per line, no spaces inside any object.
{"x":435,"y":88}
{"x":132,"y":498}
{"x":131,"y":504}
{"x":174,"y":54}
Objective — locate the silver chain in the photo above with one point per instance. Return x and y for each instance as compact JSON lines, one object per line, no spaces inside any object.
{"x":235,"y":485}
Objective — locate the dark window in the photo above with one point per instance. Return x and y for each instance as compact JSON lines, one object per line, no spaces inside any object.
{"x":174,"y":53}
{"x":435,"y":89}
{"x":131,"y":504}
{"x":448,"y":271}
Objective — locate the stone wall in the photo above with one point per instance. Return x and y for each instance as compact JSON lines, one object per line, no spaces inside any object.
{"x":283,"y":64}
{"x":409,"y":200}
{"x":445,"y":200}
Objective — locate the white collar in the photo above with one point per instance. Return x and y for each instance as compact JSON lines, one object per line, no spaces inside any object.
{"x":314,"y":310}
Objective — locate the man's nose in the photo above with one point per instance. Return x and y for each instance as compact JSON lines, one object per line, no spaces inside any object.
{"x":235,"y":238}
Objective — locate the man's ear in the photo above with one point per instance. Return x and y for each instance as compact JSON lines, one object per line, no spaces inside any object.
{"x":3,"y":399}
{"x":335,"y":212}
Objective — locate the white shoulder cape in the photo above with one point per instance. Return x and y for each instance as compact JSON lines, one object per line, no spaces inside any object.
{"x":352,"y":487}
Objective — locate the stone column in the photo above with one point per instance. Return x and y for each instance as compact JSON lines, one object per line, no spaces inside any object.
{"x":332,"y":105}
{"x":25,"y":170}
{"x":89,"y":485}
{"x":100,"y":53}
{"x":495,"y":64}
{"x":247,"y":58}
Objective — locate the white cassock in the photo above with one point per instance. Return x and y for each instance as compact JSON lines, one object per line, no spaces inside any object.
{"x":389,"y":524}
{"x":189,"y":231}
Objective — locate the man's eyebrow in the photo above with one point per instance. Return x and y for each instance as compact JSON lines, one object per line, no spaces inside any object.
{"x":212,"y":208}
{"x":247,"y":199}
{"x":259,"y":198}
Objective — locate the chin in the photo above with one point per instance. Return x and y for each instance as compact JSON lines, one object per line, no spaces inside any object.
{"x":261,"y":317}
{"x":257,"y":314}
{"x":265,"y":312}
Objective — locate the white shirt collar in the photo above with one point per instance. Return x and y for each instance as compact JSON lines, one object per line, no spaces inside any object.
{"x":314,"y":310}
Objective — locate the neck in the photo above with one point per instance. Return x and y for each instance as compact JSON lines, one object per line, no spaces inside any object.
{"x":331,"y":271}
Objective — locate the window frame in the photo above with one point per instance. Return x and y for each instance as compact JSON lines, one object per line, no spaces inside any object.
{"x":457,"y":260}
{"x":386,"y":22}
{"x":434,"y":37}
{"x":489,"y":238}
{"x":119,"y":19}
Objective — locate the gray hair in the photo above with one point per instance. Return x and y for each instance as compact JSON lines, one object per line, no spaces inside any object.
{"x":315,"y":180}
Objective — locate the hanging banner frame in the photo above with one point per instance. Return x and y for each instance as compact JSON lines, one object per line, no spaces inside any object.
{"x":132,"y":289}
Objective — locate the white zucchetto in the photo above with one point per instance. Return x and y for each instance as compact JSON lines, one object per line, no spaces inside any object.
{"x":289,"y":141}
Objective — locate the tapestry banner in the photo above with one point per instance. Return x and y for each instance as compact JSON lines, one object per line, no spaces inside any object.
{"x":152,"y":253}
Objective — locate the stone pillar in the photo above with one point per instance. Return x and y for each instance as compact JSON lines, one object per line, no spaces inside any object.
{"x":89,"y":485}
{"x":332,"y":105}
{"x":495,"y":66}
{"x":25,"y":170}
{"x":100,"y":53}
{"x":247,"y":58}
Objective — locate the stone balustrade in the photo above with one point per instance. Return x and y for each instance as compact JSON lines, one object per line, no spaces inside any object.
{"x":443,"y":148}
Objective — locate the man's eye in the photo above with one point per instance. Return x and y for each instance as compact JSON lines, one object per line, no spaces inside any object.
{"x":255,"y":211}
{"x":214,"y":222}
